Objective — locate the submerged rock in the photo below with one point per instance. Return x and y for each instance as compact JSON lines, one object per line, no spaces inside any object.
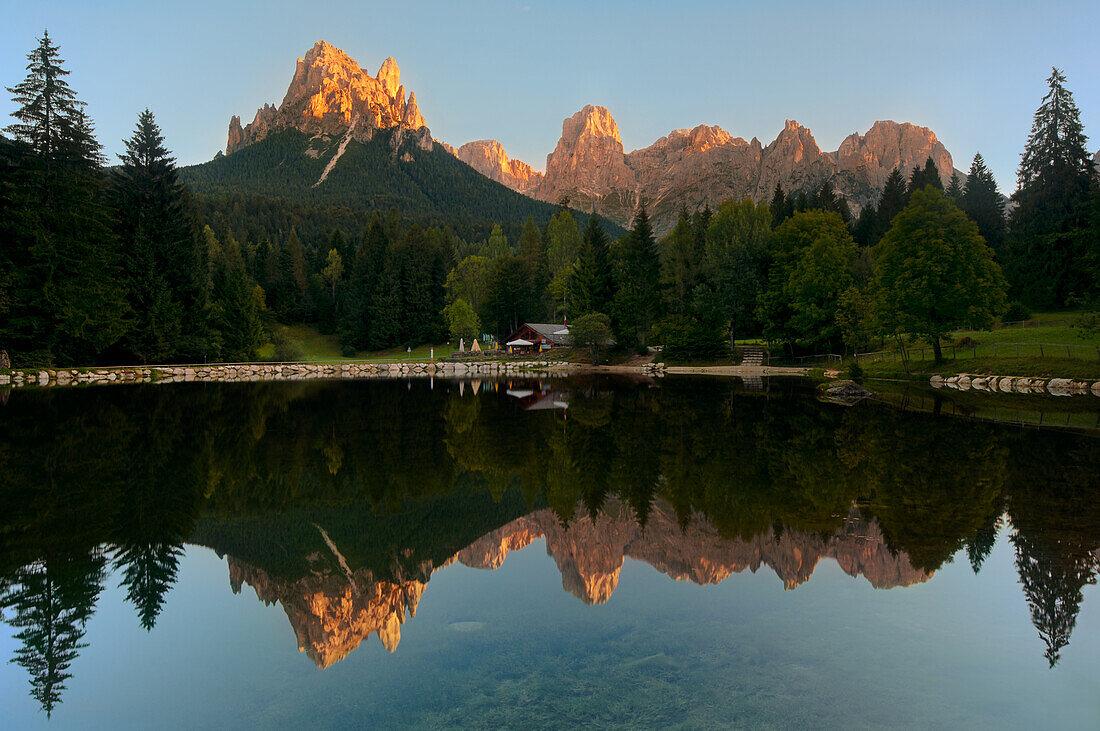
{"x":845,"y":393}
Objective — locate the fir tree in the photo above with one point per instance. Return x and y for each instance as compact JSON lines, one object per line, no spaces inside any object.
{"x":148,"y":571}
{"x":1049,"y":225}
{"x":955,"y":189}
{"x":637,"y":302}
{"x":923,"y":177}
{"x":67,"y":296}
{"x":422,"y":276}
{"x":530,"y":245}
{"x":563,"y":244}
{"x":679,"y":266}
{"x":700,"y":224}
{"x":52,"y":603}
{"x":50,"y":117}
{"x":237,"y":303}
{"x":162,"y":260}
{"x":866,"y":226}
{"x":983,"y":203}
{"x":385,"y":311}
{"x":593,"y":284}
{"x":293,"y":299}
{"x":733,"y":265}
{"x":363,"y":279}
{"x":508,"y":300}
{"x":891,"y":202}
{"x":778,"y":206}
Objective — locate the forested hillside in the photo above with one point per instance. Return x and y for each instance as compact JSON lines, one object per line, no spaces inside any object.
{"x":429,"y":186}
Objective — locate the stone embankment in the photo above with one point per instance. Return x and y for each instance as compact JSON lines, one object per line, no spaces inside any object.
{"x":1016,"y":384}
{"x":252,"y":372}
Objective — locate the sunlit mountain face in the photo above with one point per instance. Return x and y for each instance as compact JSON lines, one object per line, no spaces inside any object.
{"x":357,"y":507}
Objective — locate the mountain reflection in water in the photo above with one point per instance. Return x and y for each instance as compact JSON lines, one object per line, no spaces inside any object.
{"x":340,"y":500}
{"x":333,"y":611}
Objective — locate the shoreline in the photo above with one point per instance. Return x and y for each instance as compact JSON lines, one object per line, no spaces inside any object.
{"x":260,"y":372}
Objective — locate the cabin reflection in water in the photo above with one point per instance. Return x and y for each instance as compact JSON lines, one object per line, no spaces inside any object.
{"x":539,"y":395}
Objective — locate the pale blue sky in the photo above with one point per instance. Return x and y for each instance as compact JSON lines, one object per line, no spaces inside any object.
{"x":972,"y":71}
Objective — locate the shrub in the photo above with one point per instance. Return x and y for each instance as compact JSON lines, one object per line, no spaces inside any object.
{"x":686,"y":338}
{"x":286,"y":350}
{"x":1088,"y":321}
{"x":1016,"y":311}
{"x":854,"y":371}
{"x":966,"y":342}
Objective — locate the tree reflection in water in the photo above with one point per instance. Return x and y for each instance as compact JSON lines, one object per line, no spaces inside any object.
{"x":385,"y":484}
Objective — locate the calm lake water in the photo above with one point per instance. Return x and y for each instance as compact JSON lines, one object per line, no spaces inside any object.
{"x":678,"y":553}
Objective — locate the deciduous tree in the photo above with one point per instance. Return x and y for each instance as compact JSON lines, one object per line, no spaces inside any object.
{"x":934,"y":273}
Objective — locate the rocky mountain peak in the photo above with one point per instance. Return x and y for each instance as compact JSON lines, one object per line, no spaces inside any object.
{"x":588,"y":162}
{"x":389,"y":75}
{"x":701,"y":138}
{"x":591,"y":121}
{"x":796,"y":142}
{"x":330,"y":94}
{"x":489,"y":158}
{"x":890,"y":144}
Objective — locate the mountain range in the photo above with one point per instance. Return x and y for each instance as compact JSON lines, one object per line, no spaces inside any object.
{"x":313,"y":145}
{"x":690,"y":168}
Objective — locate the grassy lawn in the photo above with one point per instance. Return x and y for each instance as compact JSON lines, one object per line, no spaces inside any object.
{"x":316,"y":346}
{"x":1032,"y":350}
{"x":1032,"y":367}
{"x":1060,"y":334}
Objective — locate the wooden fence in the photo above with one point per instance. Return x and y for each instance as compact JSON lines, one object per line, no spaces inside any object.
{"x":987,"y":350}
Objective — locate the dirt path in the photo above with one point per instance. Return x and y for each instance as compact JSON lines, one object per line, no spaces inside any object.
{"x":739,"y":371}
{"x":736,"y":370}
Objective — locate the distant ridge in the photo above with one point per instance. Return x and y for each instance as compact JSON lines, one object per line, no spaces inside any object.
{"x":706,"y":165}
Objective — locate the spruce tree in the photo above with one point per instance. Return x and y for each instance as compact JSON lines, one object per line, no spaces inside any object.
{"x":778,"y":205}
{"x":530,"y":244}
{"x":593,"y":284}
{"x":363,"y":275}
{"x":1049,"y":225}
{"x":68,"y":300}
{"x":237,"y":303}
{"x":955,"y":189}
{"x":162,"y":260}
{"x":638,"y":302}
{"x":922,"y":177}
{"x":891,"y":202}
{"x":679,"y":266}
{"x":733,"y":266}
{"x":50,"y":117}
{"x":384,"y":311}
{"x":866,"y":226}
{"x":294,"y":300}
{"x":983,"y":204}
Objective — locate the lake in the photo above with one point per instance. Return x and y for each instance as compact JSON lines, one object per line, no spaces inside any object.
{"x":680,"y":552}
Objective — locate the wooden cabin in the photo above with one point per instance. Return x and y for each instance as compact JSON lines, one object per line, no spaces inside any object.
{"x":535,"y":337}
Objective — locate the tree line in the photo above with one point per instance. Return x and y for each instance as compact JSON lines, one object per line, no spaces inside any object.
{"x":120,"y":264}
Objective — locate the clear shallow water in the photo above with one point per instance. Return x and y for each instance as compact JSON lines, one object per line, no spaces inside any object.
{"x":343,"y":506}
